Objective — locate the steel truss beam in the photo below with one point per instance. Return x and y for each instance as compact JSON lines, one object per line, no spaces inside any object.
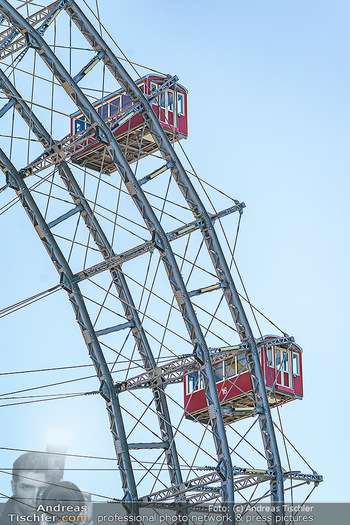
{"x":210,"y":238}
{"x":8,"y":47}
{"x":76,"y":299}
{"x":244,"y":478}
{"x":192,"y":485}
{"x":203,"y":494}
{"x":119,"y":280}
{"x":147,"y":246}
{"x":309,"y":478}
{"x":147,"y":213}
{"x":174,"y":371}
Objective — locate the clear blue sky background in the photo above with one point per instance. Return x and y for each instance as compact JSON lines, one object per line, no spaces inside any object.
{"x":269,"y":106}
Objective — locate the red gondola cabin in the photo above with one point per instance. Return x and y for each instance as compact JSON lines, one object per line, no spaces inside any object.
{"x":282,"y":370}
{"x":170,"y":108}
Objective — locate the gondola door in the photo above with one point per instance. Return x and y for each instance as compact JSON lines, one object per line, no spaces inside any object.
{"x":283,"y":367}
{"x":167,"y":107}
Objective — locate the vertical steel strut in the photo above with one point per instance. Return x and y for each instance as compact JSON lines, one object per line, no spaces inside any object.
{"x":119,"y":280}
{"x":108,"y":392}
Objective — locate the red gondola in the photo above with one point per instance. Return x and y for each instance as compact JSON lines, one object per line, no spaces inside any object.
{"x":170,"y":108}
{"x":282,"y":370}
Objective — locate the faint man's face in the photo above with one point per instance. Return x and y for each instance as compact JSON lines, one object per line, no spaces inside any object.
{"x":25,"y":490}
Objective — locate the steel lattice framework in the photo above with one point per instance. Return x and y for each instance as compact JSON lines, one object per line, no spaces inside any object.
{"x":23,"y":37}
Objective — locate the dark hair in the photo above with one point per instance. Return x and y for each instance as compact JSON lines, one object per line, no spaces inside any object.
{"x":30,"y":461}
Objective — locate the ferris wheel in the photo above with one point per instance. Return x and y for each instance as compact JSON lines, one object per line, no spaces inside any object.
{"x":144,"y":251}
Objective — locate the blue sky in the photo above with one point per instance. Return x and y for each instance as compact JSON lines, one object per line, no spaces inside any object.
{"x":269,"y":125}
